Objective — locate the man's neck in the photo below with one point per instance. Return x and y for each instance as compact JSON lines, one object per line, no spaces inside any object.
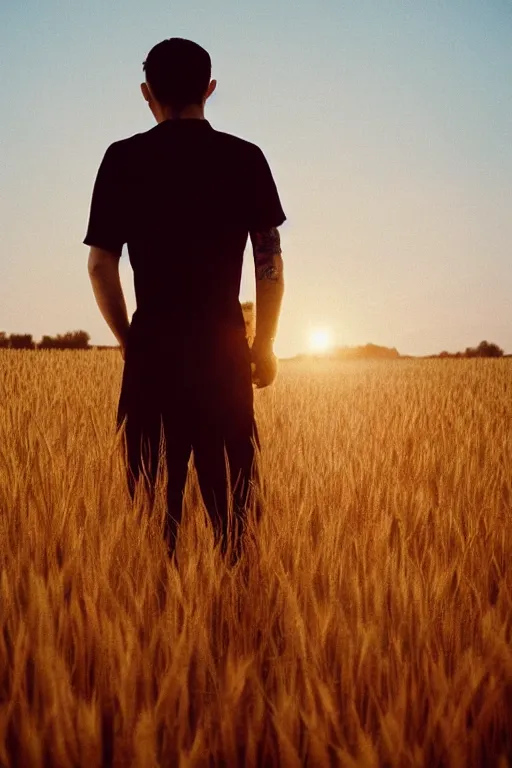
{"x":194,"y":111}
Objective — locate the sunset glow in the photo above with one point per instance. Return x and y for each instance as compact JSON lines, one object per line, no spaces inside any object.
{"x":321,"y":340}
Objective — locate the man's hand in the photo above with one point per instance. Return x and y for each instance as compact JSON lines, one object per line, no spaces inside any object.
{"x":264,"y":365}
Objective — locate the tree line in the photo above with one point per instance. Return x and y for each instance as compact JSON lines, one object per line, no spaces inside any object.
{"x":376,"y":352}
{"x":81,"y":339}
{"x":69,"y":340}
{"x":484,"y":349}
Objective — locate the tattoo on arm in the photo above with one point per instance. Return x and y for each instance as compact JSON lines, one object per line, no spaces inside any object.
{"x":267,"y":254}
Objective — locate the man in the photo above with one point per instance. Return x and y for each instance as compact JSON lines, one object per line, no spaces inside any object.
{"x":183,"y":197}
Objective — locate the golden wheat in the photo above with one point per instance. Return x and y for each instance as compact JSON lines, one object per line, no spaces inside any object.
{"x":370,"y":624}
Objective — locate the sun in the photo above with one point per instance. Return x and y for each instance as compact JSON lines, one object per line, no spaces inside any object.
{"x":321,"y":340}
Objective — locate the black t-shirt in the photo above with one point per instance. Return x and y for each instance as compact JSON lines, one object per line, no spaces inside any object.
{"x":183,"y":197}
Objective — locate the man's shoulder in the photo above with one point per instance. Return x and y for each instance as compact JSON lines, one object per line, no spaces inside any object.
{"x":140,"y":142}
{"x":236,"y":142}
{"x":128,"y":144}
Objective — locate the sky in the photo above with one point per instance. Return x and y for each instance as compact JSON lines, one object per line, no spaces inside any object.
{"x":387,"y":126}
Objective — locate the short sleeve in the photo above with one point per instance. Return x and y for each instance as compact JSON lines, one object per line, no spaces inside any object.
{"x":106,"y":228}
{"x":265,"y":210}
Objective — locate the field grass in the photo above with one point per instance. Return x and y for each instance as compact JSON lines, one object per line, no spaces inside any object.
{"x":371,"y":626}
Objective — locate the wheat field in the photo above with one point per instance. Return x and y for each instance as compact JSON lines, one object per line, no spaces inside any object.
{"x":369,"y":623}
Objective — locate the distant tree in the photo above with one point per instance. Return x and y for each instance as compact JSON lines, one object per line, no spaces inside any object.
{"x":47,"y":342}
{"x":484,"y":349}
{"x":69,"y":340}
{"x":367,"y":352}
{"x":487,"y":349}
{"x":4,"y":340}
{"x":75,"y":340}
{"x":21,"y":341}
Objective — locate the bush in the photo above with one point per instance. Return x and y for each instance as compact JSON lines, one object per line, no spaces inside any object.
{"x":21,"y":341}
{"x":69,"y":340}
{"x":484,"y":349}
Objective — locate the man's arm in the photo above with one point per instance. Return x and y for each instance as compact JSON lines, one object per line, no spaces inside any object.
{"x":103,"y":268}
{"x":268,"y":263}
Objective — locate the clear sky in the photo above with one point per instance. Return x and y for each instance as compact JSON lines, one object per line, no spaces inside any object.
{"x":387,"y":125}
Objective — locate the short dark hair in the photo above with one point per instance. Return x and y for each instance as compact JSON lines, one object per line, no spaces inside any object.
{"x":178,"y":72}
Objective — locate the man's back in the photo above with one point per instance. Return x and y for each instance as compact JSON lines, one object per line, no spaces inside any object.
{"x":184,"y":197}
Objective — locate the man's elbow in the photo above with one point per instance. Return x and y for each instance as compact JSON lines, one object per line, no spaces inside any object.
{"x":101,"y":261}
{"x":93,"y":266}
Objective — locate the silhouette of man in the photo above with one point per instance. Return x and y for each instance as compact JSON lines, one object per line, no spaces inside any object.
{"x":184,"y":197}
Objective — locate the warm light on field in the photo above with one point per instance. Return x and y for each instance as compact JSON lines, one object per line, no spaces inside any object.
{"x":321,"y":340}
{"x":368,"y":622}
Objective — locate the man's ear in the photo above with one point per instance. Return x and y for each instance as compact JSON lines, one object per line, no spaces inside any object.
{"x":145,"y":92}
{"x":210,"y":89}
